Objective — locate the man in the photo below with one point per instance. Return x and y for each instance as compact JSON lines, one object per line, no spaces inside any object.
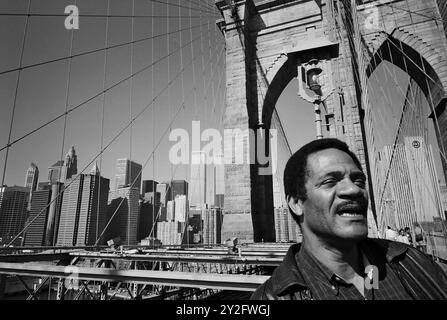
{"x":326,"y":193}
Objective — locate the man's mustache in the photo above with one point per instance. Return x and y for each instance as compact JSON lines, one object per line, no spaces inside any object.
{"x":358,"y":205}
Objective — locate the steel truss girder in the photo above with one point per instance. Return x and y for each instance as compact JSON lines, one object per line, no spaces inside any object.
{"x":178,"y":279}
{"x":266,"y":261}
{"x":33,"y":257}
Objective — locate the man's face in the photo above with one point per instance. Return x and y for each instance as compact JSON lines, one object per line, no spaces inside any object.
{"x":337,"y":200}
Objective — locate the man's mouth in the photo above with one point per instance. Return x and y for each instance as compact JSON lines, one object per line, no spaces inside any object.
{"x":351,"y":214}
{"x":351,"y":211}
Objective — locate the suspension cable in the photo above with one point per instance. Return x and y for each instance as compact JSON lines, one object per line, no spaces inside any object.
{"x":93,"y":97}
{"x":182,"y":106}
{"x":67,"y":96}
{"x":416,"y":13}
{"x":96,"y":16}
{"x":199,"y":3}
{"x":168,"y":47}
{"x":104,"y":78}
{"x":410,"y":87}
{"x":153,"y":153}
{"x":25,"y":31}
{"x":180,"y":6}
{"x":94,"y":158}
{"x":409,"y":103}
{"x":153,"y":134}
{"x":193,"y":68}
{"x":129,"y":208}
{"x":181,"y":65}
{"x":93,"y":51}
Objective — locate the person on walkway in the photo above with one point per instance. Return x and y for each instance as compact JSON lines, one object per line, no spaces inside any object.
{"x":390,"y":234}
{"x":402,"y":237}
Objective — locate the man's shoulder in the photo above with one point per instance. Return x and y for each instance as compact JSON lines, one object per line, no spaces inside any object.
{"x":407,"y":256}
{"x":264,"y":291}
{"x":284,"y":281}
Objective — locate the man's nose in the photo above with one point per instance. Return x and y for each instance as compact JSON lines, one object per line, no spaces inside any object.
{"x":347,"y":188}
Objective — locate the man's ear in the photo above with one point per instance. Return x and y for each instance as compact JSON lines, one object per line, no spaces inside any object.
{"x":296,"y":206}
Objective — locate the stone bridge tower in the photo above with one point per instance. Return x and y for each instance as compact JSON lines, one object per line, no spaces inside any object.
{"x":267,"y":41}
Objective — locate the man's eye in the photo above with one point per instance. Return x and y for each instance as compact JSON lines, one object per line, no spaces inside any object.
{"x":329,"y":181}
{"x":360,"y":182}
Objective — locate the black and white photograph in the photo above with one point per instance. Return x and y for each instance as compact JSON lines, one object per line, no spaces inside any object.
{"x":223,"y":154}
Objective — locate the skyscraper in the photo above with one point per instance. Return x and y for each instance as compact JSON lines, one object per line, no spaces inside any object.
{"x":147,"y":219}
{"x":170,"y":210}
{"x":165,"y":193}
{"x":197,"y":188}
{"x":55,"y":172}
{"x":220,"y":175}
{"x":178,"y":187}
{"x":170,"y":232}
{"x":212,"y":226}
{"x":13,"y":213}
{"x":211,"y":185}
{"x":35,"y":234}
{"x":148,"y":186}
{"x":54,"y":213}
{"x":286,"y":229}
{"x":70,"y":167}
{"x":32,"y":177}
{"x":125,"y":210}
{"x":127,"y":173}
{"x":219,"y":200}
{"x":83,"y":213}
{"x":69,"y":214}
{"x":31,"y":180}
{"x":93,"y":210}
{"x":180,"y":208}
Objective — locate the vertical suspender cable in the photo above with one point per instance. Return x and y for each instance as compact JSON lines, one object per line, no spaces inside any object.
{"x":107,"y":146}
{"x":430,"y":100}
{"x":425,"y":133}
{"x":211,"y":71}
{"x":205,"y":106}
{"x":129,"y":207}
{"x":193,"y":69}
{"x":183,"y":105}
{"x":169,"y":75}
{"x":181,"y":68}
{"x":410,"y":103}
{"x":25,"y":31}
{"x":67,"y":96}
{"x":204,"y":94}
{"x":154,"y":221}
{"x":104,"y":78}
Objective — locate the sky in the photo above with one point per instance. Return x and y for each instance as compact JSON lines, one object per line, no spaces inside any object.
{"x":46,"y":91}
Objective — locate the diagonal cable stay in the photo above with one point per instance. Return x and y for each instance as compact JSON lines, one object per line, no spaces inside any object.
{"x":97,"y":50}
{"x":95,"y":96}
{"x":94,"y":158}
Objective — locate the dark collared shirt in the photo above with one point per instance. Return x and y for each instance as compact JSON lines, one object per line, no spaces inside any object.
{"x":403,"y":271}
{"x":325,"y":285}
